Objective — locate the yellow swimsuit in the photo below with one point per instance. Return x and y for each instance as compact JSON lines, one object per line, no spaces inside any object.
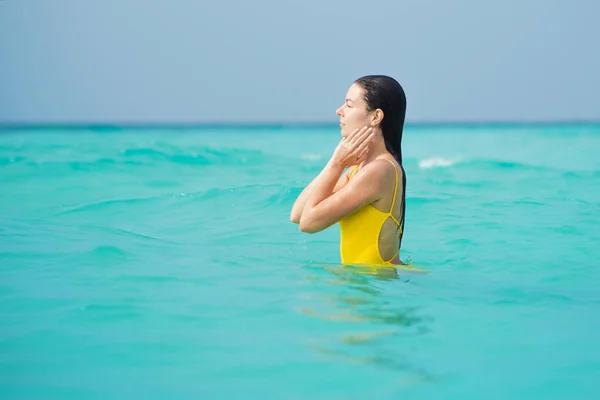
{"x":359,"y":242}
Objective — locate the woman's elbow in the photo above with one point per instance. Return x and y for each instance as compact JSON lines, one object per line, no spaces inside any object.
{"x":294,"y":218}
{"x":295,"y":215}
{"x":308,"y":226}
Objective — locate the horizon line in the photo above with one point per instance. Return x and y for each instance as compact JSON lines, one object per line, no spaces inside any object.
{"x":273,"y":124}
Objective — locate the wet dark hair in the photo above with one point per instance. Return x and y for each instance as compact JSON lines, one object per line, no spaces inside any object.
{"x":387,"y":94}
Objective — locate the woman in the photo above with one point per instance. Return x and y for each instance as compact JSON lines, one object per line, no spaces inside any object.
{"x":368,"y":200}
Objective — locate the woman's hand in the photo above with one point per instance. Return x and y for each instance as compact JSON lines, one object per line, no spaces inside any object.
{"x":353,"y":149}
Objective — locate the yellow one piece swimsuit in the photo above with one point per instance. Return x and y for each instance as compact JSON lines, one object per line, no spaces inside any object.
{"x":359,"y":242}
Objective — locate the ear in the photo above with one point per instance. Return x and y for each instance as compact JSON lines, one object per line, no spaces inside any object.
{"x":377,"y":117}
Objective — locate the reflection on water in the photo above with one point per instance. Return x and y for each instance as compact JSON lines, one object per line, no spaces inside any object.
{"x":381,"y":271}
{"x":361,"y":299}
{"x":411,"y":374}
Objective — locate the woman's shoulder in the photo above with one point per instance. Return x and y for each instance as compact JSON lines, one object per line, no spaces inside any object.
{"x":382,"y":170}
{"x":384,"y":166}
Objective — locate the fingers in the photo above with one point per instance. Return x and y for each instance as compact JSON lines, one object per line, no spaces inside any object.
{"x":357,"y":132}
{"x":357,"y":143}
{"x":362,"y":155}
{"x":353,"y":134}
{"x":359,"y":135}
{"x":364,"y":145}
{"x":365,"y":137}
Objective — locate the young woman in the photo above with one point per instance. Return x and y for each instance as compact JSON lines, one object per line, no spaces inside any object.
{"x":368,"y":199}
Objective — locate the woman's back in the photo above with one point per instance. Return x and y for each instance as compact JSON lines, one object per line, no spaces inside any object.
{"x":372,"y":234}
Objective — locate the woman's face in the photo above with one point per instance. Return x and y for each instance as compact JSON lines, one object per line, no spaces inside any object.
{"x":353,"y":114}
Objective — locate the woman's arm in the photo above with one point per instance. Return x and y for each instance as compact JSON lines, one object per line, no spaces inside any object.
{"x":298,"y":207}
{"x":324,"y":208}
{"x":348,"y":152}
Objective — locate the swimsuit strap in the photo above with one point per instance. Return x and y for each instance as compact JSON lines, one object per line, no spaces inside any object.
{"x":392,"y":206}
{"x":395,"y":189}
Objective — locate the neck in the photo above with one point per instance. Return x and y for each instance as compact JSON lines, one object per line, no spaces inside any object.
{"x":376,"y":148}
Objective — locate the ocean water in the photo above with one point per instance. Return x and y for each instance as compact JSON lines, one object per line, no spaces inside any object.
{"x":155,"y":263}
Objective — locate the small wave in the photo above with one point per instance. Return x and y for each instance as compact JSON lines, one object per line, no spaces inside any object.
{"x":11,"y":160}
{"x":105,"y":203}
{"x":108,"y":251}
{"x":311,"y":156}
{"x":138,"y":278}
{"x":259,"y":194}
{"x":119,"y":309}
{"x":522,"y":166}
{"x":584,"y":175}
{"x":156,"y":155}
{"x":423,"y":200}
{"x":436,"y":162}
{"x":443,"y":162}
{"x":132,"y":235}
{"x":508,"y":164}
{"x":200,"y":156}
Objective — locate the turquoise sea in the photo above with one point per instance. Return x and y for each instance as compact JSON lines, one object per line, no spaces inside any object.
{"x":161,"y":263}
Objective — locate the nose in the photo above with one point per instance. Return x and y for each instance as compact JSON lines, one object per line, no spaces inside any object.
{"x":339,"y":111}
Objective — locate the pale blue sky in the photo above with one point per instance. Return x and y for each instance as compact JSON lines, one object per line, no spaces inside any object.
{"x":292,"y":60}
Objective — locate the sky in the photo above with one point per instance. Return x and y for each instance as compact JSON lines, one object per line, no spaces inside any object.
{"x":273,"y":61}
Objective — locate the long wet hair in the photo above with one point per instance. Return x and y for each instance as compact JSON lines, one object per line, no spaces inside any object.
{"x":387,"y":94}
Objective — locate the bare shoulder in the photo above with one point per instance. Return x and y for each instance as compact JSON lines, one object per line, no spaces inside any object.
{"x":381,"y":169}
